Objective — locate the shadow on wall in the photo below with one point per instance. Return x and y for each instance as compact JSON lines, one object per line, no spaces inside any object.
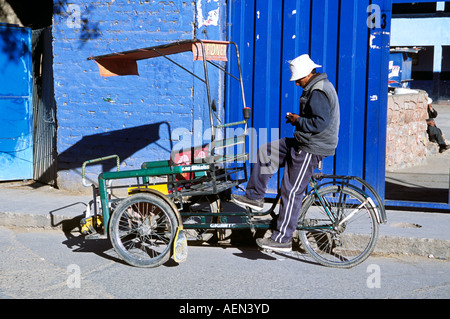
{"x":123,"y":143}
{"x":12,"y":45}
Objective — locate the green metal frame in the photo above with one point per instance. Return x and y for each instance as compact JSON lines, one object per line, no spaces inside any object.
{"x":218,"y":172}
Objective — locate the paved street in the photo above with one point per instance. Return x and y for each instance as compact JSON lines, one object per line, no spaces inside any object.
{"x":51,"y":264}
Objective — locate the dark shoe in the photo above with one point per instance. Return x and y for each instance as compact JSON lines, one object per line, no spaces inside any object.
{"x":443,"y":148}
{"x":269,"y":243}
{"x":243,"y":201}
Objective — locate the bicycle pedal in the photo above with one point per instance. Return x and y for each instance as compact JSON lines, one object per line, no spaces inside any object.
{"x":267,"y":250}
{"x":95,"y":236}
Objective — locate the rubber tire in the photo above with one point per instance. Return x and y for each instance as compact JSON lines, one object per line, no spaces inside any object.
{"x":354,"y":261}
{"x":116,"y":241}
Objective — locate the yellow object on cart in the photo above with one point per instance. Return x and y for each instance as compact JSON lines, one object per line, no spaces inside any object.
{"x":162,"y":188}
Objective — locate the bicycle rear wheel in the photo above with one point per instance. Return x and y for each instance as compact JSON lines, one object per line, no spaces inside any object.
{"x":350,"y":238}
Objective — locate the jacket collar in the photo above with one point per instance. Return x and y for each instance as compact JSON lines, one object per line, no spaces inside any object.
{"x":316,"y":78}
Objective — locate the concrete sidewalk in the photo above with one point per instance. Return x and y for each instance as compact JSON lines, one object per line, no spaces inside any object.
{"x":27,"y":204}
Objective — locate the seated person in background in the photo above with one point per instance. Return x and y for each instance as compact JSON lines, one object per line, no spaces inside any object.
{"x":434,"y":133}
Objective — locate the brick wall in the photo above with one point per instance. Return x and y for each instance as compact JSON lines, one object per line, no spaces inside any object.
{"x":406,"y":140}
{"x":137,"y":117}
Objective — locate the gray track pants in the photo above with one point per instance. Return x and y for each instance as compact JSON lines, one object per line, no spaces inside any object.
{"x":299,"y":166}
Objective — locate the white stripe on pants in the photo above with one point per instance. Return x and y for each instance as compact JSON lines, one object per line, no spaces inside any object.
{"x":284,"y":218}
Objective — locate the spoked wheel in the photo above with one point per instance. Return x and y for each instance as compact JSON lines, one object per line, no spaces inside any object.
{"x":142,"y":229}
{"x":350,"y":239}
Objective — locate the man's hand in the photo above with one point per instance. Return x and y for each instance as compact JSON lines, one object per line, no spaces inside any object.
{"x":291,"y":118}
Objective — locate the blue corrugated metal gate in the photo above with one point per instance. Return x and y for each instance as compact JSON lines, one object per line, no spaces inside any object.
{"x":350,"y":39}
{"x":16,"y":110}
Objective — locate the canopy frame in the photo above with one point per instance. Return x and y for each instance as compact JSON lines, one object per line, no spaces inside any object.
{"x":125,"y":63}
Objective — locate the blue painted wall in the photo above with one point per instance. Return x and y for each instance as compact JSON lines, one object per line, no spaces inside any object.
{"x":140,"y":118}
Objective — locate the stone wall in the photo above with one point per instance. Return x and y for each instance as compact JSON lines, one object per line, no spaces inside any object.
{"x":406,"y":137}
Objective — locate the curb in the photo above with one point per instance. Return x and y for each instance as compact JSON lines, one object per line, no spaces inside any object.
{"x":426,"y":247}
{"x":46,"y":222}
{"x":386,"y":245}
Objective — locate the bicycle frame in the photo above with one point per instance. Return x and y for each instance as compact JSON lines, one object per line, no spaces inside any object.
{"x":247,"y":216}
{"x":365,"y":189}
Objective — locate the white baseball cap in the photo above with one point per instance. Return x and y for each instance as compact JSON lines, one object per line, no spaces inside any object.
{"x":301,"y":66}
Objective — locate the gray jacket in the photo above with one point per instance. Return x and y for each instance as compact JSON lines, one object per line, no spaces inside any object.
{"x":317,"y":128}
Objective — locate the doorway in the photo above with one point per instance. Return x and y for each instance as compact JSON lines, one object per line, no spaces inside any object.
{"x":422,"y":180}
{"x":39,"y":162}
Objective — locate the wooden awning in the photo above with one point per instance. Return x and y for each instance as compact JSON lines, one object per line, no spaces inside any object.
{"x":124,"y":63}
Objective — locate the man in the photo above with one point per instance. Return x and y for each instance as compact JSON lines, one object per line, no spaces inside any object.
{"x":315,"y":137}
{"x":435,"y":133}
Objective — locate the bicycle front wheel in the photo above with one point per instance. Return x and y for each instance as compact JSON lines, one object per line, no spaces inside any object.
{"x":338,"y":227}
{"x":142,"y":229}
